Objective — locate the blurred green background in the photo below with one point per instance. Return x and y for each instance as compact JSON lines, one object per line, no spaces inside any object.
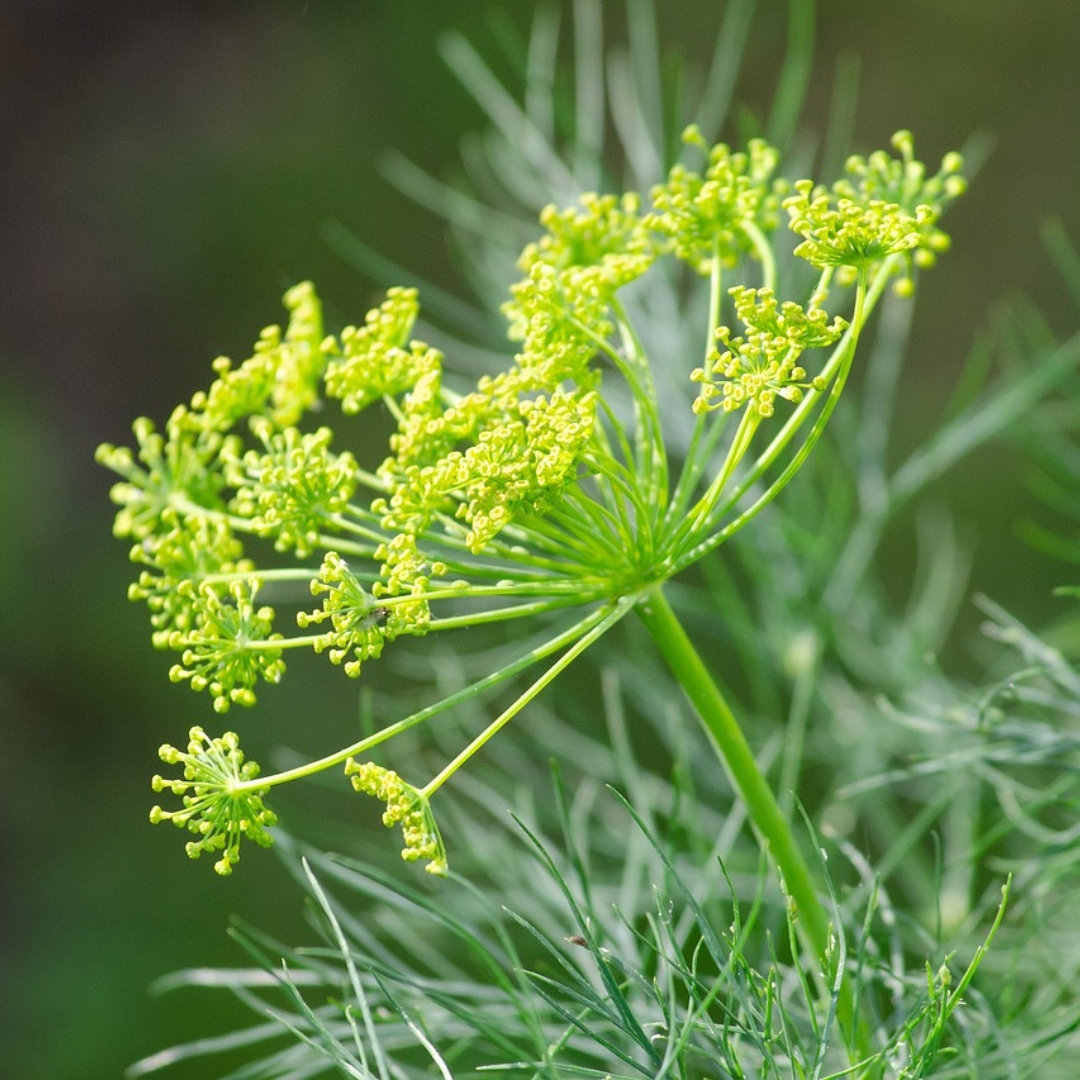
{"x":168,"y":169}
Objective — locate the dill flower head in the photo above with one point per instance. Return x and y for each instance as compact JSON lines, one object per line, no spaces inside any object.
{"x":545,"y":487}
{"x":717,"y":213}
{"x":230,"y":647}
{"x":763,"y":365}
{"x":405,"y":806}
{"x":220,"y":806}
{"x":882,"y":206}
{"x":355,"y":617}
{"x":289,"y":488}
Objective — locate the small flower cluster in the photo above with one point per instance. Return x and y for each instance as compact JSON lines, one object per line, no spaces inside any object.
{"x":904,"y":181}
{"x":560,"y":310}
{"x":520,"y":462}
{"x":174,"y":503}
{"x":280,"y":380}
{"x":355,"y":616}
{"x":221,"y":807}
{"x":719,"y":214}
{"x":172,"y":470}
{"x":843,"y":232}
{"x":883,"y":206}
{"x":186,"y":549}
{"x":230,"y":646}
{"x":377,"y":359}
{"x":293,"y":488}
{"x":602,"y":230}
{"x":405,"y":806}
{"x":757,"y":368}
{"x":524,"y":464}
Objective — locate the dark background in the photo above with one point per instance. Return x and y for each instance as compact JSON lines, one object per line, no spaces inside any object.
{"x":167,"y":170}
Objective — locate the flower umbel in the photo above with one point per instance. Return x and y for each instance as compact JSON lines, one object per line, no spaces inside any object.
{"x":546,"y":487}
{"x":724,"y":212}
{"x":280,"y":379}
{"x":405,"y":806}
{"x":883,"y":206}
{"x":762,"y":366}
{"x":293,"y":488}
{"x":230,"y":647}
{"x":376,"y":359}
{"x":843,"y":232}
{"x":220,"y":805}
{"x":355,"y":615}
{"x":904,"y":181}
{"x":185,"y":551}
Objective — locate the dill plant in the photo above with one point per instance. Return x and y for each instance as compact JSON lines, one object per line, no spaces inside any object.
{"x":568,"y":490}
{"x":526,"y":497}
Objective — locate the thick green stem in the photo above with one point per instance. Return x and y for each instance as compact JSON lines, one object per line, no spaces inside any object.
{"x":731,"y":745}
{"x":768,"y":819}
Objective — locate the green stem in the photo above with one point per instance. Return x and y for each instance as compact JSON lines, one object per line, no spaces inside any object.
{"x":699,"y":450}
{"x":603,"y":620}
{"x":310,"y":768}
{"x":682,"y":658}
{"x":516,"y":611}
{"x":301,"y":574}
{"x":763,"y":250}
{"x":768,"y":819}
{"x":744,"y":434}
{"x":653,"y":464}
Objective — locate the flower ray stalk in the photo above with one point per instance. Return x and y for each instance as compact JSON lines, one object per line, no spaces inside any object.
{"x":570,"y":637}
{"x":601,"y":622}
{"x":836,"y":369}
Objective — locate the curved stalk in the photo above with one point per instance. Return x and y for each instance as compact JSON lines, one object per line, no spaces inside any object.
{"x":734,"y":751}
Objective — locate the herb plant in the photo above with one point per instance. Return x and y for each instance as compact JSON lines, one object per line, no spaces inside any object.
{"x":586,"y":480}
{"x":533,"y":494}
